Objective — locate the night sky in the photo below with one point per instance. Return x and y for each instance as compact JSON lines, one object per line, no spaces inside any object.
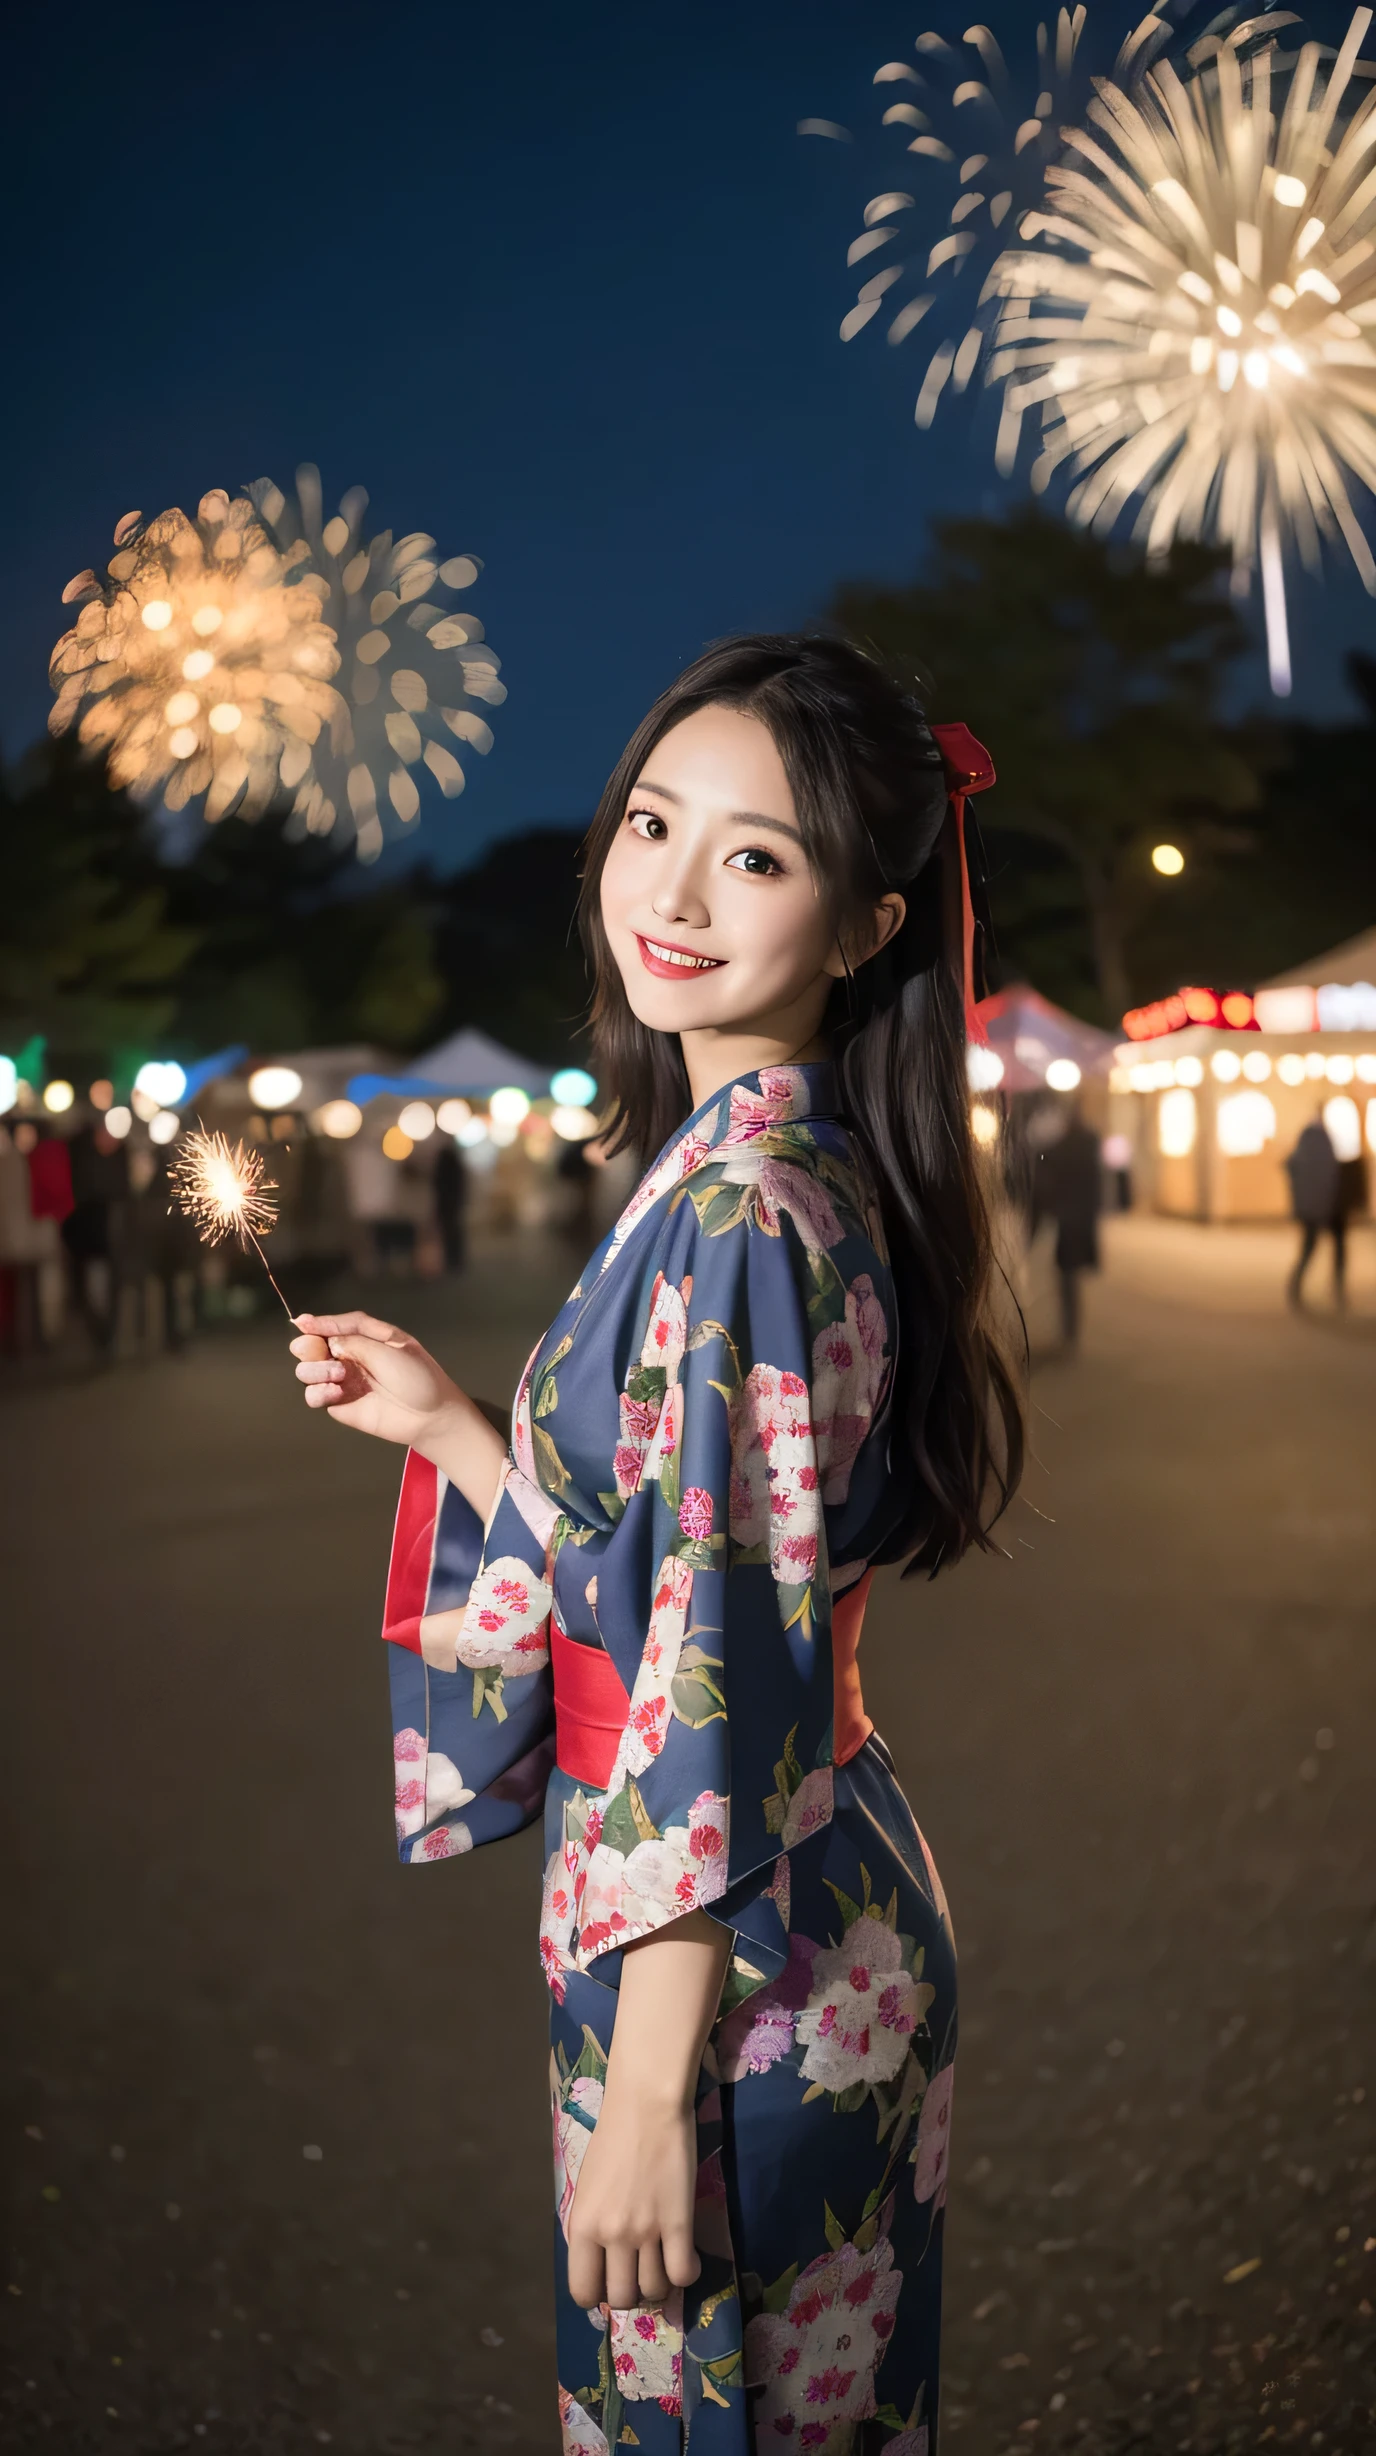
{"x":559,"y":286}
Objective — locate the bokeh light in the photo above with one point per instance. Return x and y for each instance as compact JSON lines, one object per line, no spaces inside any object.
{"x":417,"y":1120}
{"x":1341,"y":1117}
{"x":165,"y":1127}
{"x":1246,"y":1123}
{"x":983,"y":1067}
{"x":274,"y":1087}
{"x":1168,"y":859}
{"x":396,"y":1145}
{"x":508,"y":1107}
{"x":338,"y":1119}
{"x":573,"y":1087}
{"x":58,"y":1095}
{"x":162,"y":1081}
{"x":1177,"y":1123}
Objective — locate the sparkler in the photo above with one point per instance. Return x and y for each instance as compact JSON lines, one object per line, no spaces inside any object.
{"x":1205,"y":345}
{"x":976,"y":148}
{"x":224,"y":1192}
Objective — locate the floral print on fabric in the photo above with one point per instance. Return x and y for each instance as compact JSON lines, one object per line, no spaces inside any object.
{"x":699,"y":1449}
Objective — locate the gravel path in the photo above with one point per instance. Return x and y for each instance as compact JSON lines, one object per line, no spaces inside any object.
{"x":274,"y":2108}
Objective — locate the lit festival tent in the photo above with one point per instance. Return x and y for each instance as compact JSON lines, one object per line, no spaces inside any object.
{"x":1028,"y":1034}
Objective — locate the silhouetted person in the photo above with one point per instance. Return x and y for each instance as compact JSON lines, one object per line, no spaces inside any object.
{"x":1316,"y":1193}
{"x":1068,"y":1189}
{"x":100,"y":1182}
{"x":451,"y":1203}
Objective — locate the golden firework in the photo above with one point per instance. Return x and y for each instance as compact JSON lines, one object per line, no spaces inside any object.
{"x":1194,"y":311}
{"x":196,"y":665}
{"x":223,"y":1189}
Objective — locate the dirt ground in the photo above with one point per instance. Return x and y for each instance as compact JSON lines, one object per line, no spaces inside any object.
{"x":274,"y":2108}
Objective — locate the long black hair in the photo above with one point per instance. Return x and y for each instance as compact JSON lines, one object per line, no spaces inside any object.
{"x":869,"y":790}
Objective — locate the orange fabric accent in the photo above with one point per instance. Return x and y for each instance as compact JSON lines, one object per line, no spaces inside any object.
{"x":853,"y":1725}
{"x":590,"y":1709}
{"x":591,"y":1702}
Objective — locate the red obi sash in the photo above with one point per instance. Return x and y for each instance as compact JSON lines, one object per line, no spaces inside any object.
{"x":591,"y":1703}
{"x":590,"y":1709}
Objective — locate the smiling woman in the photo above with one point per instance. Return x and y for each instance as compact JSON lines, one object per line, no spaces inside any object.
{"x":774,"y":1375}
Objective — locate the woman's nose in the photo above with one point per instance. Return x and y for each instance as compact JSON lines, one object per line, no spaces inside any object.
{"x":678,"y":897}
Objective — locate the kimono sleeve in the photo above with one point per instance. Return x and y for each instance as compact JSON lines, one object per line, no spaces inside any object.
{"x":467,"y":1620}
{"x":713,"y":1600}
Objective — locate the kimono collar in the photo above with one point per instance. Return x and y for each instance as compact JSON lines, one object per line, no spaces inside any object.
{"x":772,"y":1096}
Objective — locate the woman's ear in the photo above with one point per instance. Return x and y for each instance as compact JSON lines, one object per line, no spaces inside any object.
{"x":867,"y":938}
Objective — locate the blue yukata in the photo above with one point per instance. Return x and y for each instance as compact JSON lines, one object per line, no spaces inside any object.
{"x":652,"y":1642}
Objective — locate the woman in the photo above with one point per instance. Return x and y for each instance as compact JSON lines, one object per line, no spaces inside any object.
{"x":773,"y":1375}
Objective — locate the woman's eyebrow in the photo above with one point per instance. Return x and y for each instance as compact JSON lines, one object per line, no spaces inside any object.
{"x":738,"y":818}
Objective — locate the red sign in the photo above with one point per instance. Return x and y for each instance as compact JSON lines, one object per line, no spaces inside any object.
{"x":1232,"y":1011}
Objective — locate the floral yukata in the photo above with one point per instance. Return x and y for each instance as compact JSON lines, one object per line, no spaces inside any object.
{"x":698,"y":1479}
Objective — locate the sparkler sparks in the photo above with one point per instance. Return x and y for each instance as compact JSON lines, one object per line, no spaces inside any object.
{"x":1205,"y":344}
{"x":225,"y":1192}
{"x":223,"y":1188}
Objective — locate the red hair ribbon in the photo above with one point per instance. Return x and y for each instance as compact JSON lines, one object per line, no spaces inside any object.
{"x":969,"y":769}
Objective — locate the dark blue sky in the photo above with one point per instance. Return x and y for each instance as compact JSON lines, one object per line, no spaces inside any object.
{"x":561,"y":287}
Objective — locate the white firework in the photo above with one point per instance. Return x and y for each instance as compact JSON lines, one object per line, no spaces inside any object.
{"x":980,"y":146}
{"x":414,"y":674}
{"x":192,"y":665}
{"x":1194,"y":311}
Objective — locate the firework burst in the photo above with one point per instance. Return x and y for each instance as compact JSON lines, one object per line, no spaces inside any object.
{"x":1194,"y":311}
{"x":979,"y":145}
{"x":192,"y":666}
{"x":415,"y":673}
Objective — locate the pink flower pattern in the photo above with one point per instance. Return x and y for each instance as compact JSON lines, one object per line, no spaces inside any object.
{"x":815,"y":2361}
{"x":934,"y":2139}
{"x":682,"y":1462}
{"x":862,"y":2010}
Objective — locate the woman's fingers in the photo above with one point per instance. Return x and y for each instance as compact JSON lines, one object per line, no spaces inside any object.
{"x":329,"y":1371}
{"x":653,"y":2277}
{"x":587,"y":2273}
{"x":351,"y":1325}
{"x":681,"y":2263}
{"x":623,"y":2276}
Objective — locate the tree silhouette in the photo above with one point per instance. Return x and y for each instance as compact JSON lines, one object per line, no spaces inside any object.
{"x":1094,"y":677}
{"x":89,"y":954}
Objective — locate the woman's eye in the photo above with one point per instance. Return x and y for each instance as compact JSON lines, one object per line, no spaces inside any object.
{"x":649,"y":824}
{"x":755,"y":862}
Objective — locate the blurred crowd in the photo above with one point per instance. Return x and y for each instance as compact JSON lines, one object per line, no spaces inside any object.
{"x":96,"y":1255}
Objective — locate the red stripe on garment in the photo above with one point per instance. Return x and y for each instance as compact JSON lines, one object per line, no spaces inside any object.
{"x":413,"y":1544}
{"x":591,"y":1706}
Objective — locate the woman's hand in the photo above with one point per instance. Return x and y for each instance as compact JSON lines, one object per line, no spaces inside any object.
{"x":372,"y":1377}
{"x":631,"y":2224}
{"x":375,"y":1378}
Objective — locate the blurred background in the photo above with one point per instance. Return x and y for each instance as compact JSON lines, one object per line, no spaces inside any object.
{"x":565,"y":293}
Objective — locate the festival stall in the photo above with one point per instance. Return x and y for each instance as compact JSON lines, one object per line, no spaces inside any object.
{"x":1213,"y":1089}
